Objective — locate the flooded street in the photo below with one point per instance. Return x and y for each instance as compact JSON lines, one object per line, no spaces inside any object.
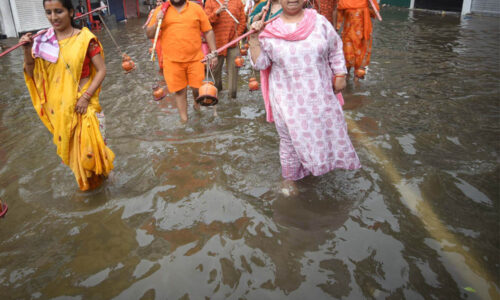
{"x":194,"y":211}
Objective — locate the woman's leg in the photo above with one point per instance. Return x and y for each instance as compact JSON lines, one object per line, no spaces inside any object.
{"x":291,"y":166}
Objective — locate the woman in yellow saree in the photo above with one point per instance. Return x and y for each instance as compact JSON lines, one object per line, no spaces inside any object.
{"x":64,"y":69}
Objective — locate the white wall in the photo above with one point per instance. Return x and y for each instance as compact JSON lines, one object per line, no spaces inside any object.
{"x":29,"y":15}
{"x":6,"y":21}
{"x":486,"y":7}
{"x":466,"y":6}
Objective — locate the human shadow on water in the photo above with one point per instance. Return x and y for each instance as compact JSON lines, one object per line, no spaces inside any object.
{"x":305,"y":222}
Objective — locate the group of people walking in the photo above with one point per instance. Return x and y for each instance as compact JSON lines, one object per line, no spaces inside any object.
{"x":303,"y":64}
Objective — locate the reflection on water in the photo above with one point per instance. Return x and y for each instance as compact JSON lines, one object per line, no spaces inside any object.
{"x":193,"y":211}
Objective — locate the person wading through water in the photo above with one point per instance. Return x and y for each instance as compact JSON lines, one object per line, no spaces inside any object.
{"x":64,"y":69}
{"x":299,"y":54}
{"x":181,"y":49}
{"x":226,"y":29}
{"x":356,"y":15}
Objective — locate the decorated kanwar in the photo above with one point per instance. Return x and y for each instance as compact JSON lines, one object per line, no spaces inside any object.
{"x":299,"y":53}
{"x":63,"y":70}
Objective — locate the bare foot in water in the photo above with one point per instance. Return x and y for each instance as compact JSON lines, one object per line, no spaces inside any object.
{"x":289,"y":188}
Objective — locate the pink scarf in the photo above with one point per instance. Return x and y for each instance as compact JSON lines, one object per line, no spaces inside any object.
{"x":46,"y":46}
{"x":278,"y":30}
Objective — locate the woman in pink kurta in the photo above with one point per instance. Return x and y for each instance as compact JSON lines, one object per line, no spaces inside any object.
{"x":299,"y":60}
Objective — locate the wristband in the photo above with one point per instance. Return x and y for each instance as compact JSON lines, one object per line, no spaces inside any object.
{"x":87,"y":94}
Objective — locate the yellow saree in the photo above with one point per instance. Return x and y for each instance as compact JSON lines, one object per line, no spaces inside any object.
{"x":54,"y":93}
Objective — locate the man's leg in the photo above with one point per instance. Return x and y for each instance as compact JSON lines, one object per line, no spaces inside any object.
{"x":217,"y":71}
{"x":181,"y":101}
{"x":232,"y":72}
{"x":195,"y":92}
{"x":196,"y":73}
{"x":176,"y":78}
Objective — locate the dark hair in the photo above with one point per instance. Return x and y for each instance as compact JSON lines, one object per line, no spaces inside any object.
{"x":69,"y":6}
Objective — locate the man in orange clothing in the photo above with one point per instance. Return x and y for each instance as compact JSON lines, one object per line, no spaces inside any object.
{"x":226,"y":29}
{"x":327,"y":8}
{"x":181,"y":49}
{"x":356,"y":33}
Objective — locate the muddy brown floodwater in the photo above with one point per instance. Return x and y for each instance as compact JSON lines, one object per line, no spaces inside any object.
{"x":194,"y":211}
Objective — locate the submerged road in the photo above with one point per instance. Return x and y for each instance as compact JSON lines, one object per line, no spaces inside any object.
{"x":194,"y":211}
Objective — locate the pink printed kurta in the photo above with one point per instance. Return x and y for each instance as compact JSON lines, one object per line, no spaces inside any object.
{"x":308,"y":116}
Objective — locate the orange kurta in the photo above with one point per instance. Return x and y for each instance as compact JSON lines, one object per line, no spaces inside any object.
{"x":225,"y":28}
{"x":357,"y":31}
{"x":181,"y":46}
{"x":326,"y":8}
{"x":180,"y":33}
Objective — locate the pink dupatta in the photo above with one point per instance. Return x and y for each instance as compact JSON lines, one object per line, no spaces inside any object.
{"x":277,"y":30}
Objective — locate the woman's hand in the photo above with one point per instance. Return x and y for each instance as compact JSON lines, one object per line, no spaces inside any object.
{"x":257,"y":25}
{"x":29,"y":62}
{"x":253,"y":40}
{"x":81,"y":105}
{"x":339,"y":84}
{"x":28,"y":40}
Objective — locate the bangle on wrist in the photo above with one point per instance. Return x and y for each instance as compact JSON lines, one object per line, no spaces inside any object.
{"x":340,"y":75}
{"x":87,"y":94}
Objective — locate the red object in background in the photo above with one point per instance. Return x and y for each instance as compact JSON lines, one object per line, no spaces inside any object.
{"x":89,"y":8}
{"x":253,"y":84}
{"x":165,"y":6}
{"x":239,"y":61}
{"x":3,"y":209}
{"x":124,"y":8}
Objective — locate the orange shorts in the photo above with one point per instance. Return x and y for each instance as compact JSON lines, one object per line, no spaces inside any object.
{"x":179,"y":75}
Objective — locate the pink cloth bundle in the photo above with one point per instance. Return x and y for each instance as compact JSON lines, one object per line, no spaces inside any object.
{"x":46,"y":46}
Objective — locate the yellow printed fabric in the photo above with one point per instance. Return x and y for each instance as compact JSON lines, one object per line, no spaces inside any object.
{"x":54,"y":93}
